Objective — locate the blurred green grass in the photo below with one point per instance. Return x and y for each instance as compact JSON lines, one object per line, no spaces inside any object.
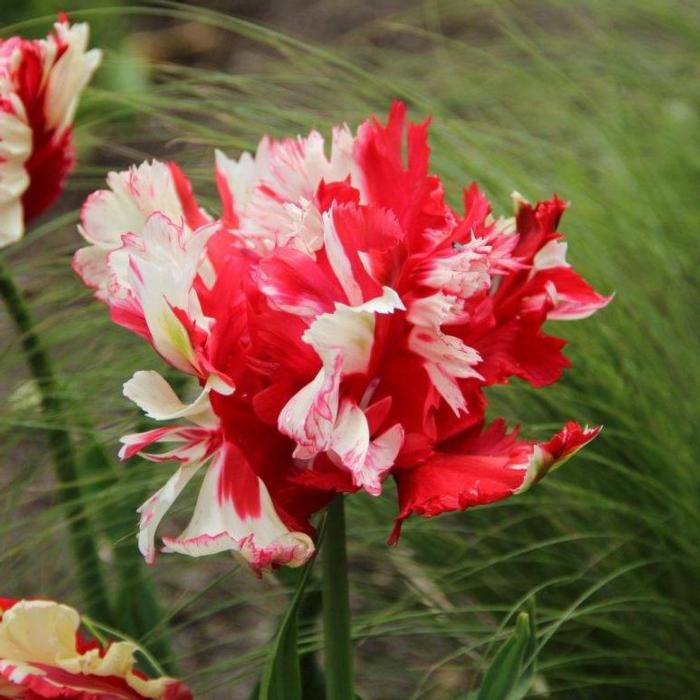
{"x":597,"y":101}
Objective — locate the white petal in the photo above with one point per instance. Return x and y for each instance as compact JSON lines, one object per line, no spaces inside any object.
{"x":552,"y":254}
{"x":11,"y":222}
{"x":368,"y":461}
{"x":308,"y":417}
{"x":239,"y":176}
{"x":447,"y":386}
{"x":351,"y":436}
{"x":156,"y":398}
{"x":68,"y":76}
{"x":351,"y":329}
{"x":153,"y":510}
{"x":90,"y":264}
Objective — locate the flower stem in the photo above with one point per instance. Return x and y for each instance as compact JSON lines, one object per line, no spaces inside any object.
{"x":336,"y":605}
{"x":63,"y":453}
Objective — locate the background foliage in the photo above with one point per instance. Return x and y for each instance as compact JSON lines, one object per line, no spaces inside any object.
{"x":594,"y":100}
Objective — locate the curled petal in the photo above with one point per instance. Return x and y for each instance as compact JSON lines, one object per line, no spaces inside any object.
{"x":566,"y":293}
{"x":351,"y":329}
{"x":309,"y":416}
{"x":481,"y":466}
{"x":155,"y":397}
{"x":133,"y":196}
{"x":368,"y":461}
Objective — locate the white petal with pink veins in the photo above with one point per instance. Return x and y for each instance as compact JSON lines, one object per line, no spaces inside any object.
{"x":343,"y":340}
{"x":305,"y":231}
{"x":453,"y":355}
{"x":90,"y":264}
{"x":436,"y":310}
{"x":308,"y":417}
{"x":132,"y":197}
{"x":283,"y":173}
{"x":351,"y":436}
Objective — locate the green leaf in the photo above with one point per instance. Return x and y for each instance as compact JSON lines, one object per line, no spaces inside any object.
{"x":281,"y":679}
{"x":527,"y":675}
{"x":503,"y":674}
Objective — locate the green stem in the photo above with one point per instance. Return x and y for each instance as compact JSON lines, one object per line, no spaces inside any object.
{"x":336,"y":606}
{"x":61,"y":446}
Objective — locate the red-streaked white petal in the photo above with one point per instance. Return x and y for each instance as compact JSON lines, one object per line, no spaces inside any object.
{"x":36,"y":115}
{"x":236,"y":180}
{"x":269,"y":198}
{"x":368,"y":461}
{"x":447,"y":358}
{"x":350,"y":329}
{"x":339,"y":261}
{"x":343,"y":340}
{"x":234,"y":512}
{"x":156,"y":272}
{"x":192,"y":444}
{"x":309,"y":416}
{"x":134,"y":195}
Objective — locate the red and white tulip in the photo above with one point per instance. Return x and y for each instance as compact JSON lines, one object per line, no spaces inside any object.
{"x":40,"y":84}
{"x":342,"y":321}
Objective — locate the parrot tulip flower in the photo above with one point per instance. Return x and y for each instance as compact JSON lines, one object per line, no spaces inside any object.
{"x":342,"y":322}
{"x":43,"y":654}
{"x":40,"y":85}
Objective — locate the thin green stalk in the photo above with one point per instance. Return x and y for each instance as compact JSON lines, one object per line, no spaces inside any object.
{"x":336,"y":605}
{"x":62,"y":451}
